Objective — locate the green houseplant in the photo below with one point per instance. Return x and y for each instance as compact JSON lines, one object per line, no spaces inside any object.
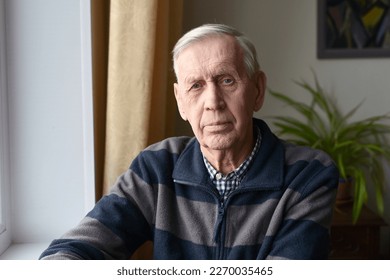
{"x":357,"y":147}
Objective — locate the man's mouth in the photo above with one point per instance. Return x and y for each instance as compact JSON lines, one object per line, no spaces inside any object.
{"x":217,"y":126}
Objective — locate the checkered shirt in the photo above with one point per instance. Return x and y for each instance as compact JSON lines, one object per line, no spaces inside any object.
{"x":226,"y":184}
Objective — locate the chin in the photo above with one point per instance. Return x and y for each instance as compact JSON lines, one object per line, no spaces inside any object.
{"x":220,"y":142}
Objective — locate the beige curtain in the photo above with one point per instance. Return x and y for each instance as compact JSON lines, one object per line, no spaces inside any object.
{"x":139,"y":94}
{"x":134,"y":103}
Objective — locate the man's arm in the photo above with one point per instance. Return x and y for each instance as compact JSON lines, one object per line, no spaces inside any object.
{"x":114,"y":229}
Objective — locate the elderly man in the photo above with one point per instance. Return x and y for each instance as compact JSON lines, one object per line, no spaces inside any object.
{"x":234,"y":191}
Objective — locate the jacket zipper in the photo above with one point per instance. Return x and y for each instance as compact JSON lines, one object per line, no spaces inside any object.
{"x":218,"y":236}
{"x":219,"y":231}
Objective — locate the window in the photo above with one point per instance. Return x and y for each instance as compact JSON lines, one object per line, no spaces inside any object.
{"x":44,"y":55}
{"x":5,"y":237}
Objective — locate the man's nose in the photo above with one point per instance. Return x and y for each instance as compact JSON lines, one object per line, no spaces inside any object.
{"x":214,"y":99}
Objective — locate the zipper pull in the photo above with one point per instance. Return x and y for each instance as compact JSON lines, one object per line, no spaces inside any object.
{"x":218,"y":224}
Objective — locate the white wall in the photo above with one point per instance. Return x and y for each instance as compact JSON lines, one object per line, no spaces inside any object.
{"x":284,"y":33}
{"x":49,"y":116}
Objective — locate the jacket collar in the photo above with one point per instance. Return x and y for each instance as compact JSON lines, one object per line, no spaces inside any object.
{"x":266,"y":171}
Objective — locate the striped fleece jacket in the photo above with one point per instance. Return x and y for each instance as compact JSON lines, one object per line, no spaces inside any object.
{"x":282,"y":209}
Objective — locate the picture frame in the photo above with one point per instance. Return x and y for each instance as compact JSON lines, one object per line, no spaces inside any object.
{"x":353,"y":29}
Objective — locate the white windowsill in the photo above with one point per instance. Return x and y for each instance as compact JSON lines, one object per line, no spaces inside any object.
{"x":24,"y":251}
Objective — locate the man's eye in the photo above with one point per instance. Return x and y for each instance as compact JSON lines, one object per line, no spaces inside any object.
{"x":196,"y":86}
{"x":227,"y":81}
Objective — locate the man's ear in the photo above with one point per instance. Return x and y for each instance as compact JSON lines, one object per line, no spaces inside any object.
{"x":261,"y":83}
{"x":179,"y":101}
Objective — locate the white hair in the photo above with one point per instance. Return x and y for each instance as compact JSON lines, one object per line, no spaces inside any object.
{"x":208,"y":30}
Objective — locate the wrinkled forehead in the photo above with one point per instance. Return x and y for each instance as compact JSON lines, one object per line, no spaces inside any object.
{"x":214,"y":52}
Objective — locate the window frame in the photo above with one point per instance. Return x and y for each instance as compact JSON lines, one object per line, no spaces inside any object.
{"x":5,"y":232}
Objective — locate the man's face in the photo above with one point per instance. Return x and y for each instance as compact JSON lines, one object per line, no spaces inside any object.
{"x":215,"y":94}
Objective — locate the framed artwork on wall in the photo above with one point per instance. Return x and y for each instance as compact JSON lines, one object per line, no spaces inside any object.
{"x":353,"y":28}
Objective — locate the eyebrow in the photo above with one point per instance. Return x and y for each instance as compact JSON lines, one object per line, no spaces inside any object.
{"x":220,"y":72}
{"x":191,"y":80}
